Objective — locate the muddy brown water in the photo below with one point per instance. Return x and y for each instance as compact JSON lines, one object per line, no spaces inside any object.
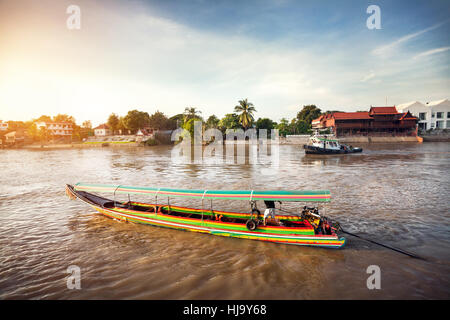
{"x":397,"y":194}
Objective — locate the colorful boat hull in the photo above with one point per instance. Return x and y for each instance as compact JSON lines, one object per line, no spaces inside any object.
{"x":276,"y":234}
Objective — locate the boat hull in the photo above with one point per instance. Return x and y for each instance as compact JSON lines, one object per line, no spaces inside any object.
{"x":283,"y":235}
{"x":318,"y":150}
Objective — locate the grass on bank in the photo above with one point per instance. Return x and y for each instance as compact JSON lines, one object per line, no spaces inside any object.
{"x":112,"y":142}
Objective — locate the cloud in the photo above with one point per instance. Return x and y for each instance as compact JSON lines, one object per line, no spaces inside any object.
{"x":430,"y":52}
{"x":369,"y":76}
{"x":391,"y":47}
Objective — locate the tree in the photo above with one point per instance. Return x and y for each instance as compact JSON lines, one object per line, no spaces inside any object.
{"x":33,"y":132}
{"x":87,"y":124}
{"x":191,"y":113}
{"x":64,"y":118}
{"x":230,"y":121}
{"x":121,"y":126}
{"x":178,"y":120}
{"x":309,"y":113}
{"x":85,"y":130}
{"x":331,"y":111}
{"x":113,"y":122}
{"x":265,"y":123}
{"x":44,"y":135}
{"x":43,"y":118}
{"x":159,"y":120}
{"x":300,"y":126}
{"x":246,"y":110}
{"x":284,"y":128}
{"x":212,"y":122}
{"x":190,"y":126}
{"x":134,"y":120}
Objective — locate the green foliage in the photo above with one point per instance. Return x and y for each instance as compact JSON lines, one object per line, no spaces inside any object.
{"x":158,"y":120}
{"x":121,"y":126}
{"x":191,"y":113}
{"x":284,"y":128}
{"x":43,"y":118}
{"x":230,"y":121}
{"x":246,"y":110}
{"x":190,"y":126}
{"x":134,"y":120}
{"x":212,"y":122}
{"x":265,"y":123}
{"x":300,"y":127}
{"x":309,"y":113}
{"x":87,"y":124}
{"x":178,"y":120}
{"x":113,"y":122}
{"x":64,"y":118}
{"x":331,"y":111}
{"x":44,"y":135}
{"x":33,"y":132}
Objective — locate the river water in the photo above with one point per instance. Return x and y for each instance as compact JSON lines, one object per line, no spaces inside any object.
{"x":396,"y":194}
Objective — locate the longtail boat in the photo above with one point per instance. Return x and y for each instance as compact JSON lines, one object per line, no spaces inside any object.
{"x":307,"y":227}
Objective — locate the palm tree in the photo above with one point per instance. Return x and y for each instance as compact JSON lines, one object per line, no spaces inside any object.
{"x":246,"y":110}
{"x":191,"y":113}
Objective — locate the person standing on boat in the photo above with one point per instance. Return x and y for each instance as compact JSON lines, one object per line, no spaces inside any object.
{"x":270,"y":210}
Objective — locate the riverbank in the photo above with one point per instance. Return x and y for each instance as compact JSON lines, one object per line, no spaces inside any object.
{"x":79,"y":145}
{"x":303,"y":139}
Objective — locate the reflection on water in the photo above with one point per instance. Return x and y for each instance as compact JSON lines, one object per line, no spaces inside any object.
{"x":394,"y":194}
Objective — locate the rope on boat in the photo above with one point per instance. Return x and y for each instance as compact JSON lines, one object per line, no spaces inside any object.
{"x":412,"y":255}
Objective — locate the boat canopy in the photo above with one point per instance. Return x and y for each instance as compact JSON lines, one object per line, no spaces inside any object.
{"x":324,"y":139}
{"x":249,"y":195}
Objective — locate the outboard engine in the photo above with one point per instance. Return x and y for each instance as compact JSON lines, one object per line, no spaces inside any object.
{"x":320,"y":224}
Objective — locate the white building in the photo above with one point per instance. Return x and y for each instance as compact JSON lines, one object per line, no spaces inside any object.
{"x":56,"y":128}
{"x":432,"y":115}
{"x":102,"y":130}
{"x":3,"y":126}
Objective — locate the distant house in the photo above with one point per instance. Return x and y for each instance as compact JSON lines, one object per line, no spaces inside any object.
{"x":15,"y":137}
{"x":432,"y":115}
{"x":145,"y":134}
{"x":61,"y":130}
{"x":102,"y":130}
{"x":375,"y":122}
{"x":147,"y":131}
{"x":3,"y":125}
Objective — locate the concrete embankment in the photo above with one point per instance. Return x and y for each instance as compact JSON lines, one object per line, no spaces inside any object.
{"x":352,"y":139}
{"x":436,"y":138}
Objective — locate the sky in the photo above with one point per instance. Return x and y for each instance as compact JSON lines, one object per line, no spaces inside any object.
{"x":169,"y":55}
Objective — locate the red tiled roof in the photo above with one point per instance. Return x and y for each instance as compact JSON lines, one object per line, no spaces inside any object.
{"x":351,"y":115}
{"x":383,"y":110}
{"x":318,"y":119}
{"x":407,"y":116}
{"x":102,"y":126}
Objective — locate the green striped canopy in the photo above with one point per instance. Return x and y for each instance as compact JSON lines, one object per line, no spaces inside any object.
{"x":249,"y":195}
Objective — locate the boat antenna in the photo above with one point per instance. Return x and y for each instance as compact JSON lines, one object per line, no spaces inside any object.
{"x":202,"y":203}
{"x":156,"y":201}
{"x":115,"y":194}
